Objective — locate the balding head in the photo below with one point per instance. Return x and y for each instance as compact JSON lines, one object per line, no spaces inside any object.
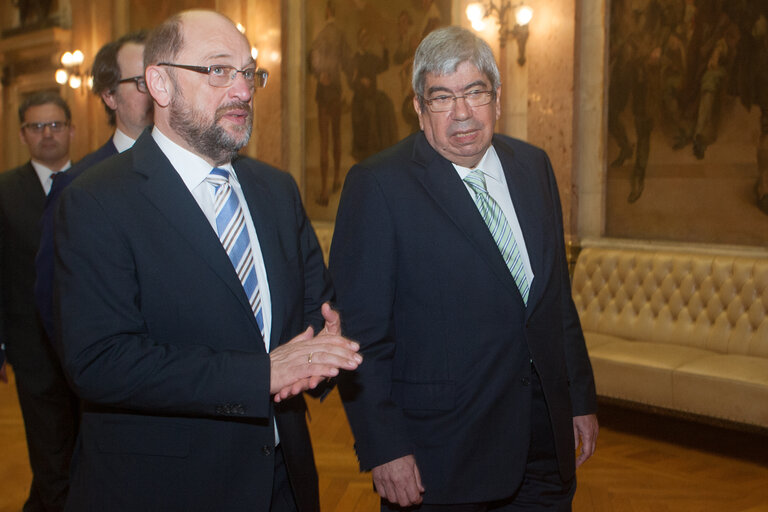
{"x":195,"y":73}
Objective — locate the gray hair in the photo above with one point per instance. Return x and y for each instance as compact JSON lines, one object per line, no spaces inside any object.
{"x":444,"y":49}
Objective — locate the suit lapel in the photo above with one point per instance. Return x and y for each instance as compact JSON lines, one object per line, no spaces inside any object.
{"x":31,"y":188}
{"x":524,"y":182}
{"x":31,"y":201}
{"x":168,"y":193}
{"x":442,"y":182}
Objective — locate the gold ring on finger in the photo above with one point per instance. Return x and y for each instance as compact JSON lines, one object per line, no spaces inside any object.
{"x":309,"y":358}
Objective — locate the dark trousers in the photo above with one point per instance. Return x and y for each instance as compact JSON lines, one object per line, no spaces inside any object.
{"x":282,"y":493}
{"x":542,"y":489}
{"x":51,"y":419}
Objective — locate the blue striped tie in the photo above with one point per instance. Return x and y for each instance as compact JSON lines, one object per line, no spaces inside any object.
{"x":500,"y":230}
{"x":233,"y":233}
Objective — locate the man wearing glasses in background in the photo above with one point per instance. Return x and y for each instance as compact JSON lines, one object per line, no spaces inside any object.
{"x":449,"y":265}
{"x":189,"y":288}
{"x":48,"y":406}
{"x":118,"y":79}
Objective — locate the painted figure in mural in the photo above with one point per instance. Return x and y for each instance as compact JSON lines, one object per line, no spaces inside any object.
{"x":373,"y":114}
{"x":431,"y":18}
{"x":752,"y":82}
{"x":409,"y":37}
{"x":710,"y":58}
{"x":329,"y":55}
{"x":678,"y":14}
{"x":634,"y":58}
{"x":407,"y":41}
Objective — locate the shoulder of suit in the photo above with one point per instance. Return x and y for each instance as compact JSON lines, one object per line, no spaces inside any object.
{"x":505,"y":142}
{"x":260,"y":170}
{"x":394,"y":159}
{"x":93,"y":158}
{"x":12,"y":174}
{"x":107,"y":171}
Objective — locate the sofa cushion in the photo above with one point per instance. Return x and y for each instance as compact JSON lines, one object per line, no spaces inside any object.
{"x":639,"y":371}
{"x":595,"y":339}
{"x":731,"y":387}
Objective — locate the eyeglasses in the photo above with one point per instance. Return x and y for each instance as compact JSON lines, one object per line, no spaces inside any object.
{"x":55,"y":126}
{"x":141,"y":84}
{"x":445,"y":103}
{"x":223,"y":76}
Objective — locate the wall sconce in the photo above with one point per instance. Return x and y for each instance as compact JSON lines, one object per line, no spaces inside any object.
{"x":71,"y":73}
{"x":477,"y":12}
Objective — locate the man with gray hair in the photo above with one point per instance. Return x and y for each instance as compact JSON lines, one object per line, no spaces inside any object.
{"x":449,"y":264}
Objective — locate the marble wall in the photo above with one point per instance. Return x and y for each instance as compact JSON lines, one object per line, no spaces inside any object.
{"x":551,"y":94}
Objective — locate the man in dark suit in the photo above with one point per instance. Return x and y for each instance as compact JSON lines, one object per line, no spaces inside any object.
{"x":118,"y":79}
{"x":48,"y":406}
{"x":449,"y":265}
{"x":190,"y":353}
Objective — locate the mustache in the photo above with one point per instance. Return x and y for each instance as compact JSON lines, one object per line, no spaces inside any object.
{"x":235,"y":105}
{"x":463,"y":127}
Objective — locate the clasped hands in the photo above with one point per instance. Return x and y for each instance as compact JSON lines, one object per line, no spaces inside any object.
{"x":307,"y":360}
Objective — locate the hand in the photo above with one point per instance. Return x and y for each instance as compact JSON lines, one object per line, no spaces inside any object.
{"x":3,"y":373}
{"x":399,"y":481}
{"x":332,"y":321}
{"x":585,"y":429}
{"x":306,"y":360}
{"x":332,"y":328}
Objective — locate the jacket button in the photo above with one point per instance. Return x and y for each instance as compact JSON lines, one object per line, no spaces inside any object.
{"x":525,"y":381}
{"x":266,"y":449}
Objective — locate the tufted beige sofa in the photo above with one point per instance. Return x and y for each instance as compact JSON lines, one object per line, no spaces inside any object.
{"x":683,"y":329}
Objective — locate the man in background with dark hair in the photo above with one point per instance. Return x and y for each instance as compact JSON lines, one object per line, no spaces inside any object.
{"x":48,"y":406}
{"x":118,"y":78}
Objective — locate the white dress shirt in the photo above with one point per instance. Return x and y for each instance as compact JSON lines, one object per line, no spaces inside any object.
{"x":496,"y":184}
{"x":122,"y":141}
{"x":45,"y":175}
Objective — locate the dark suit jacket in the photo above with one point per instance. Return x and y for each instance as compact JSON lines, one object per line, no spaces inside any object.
{"x":447,"y":341}
{"x":21,"y":204}
{"x":160,"y":341}
{"x":44,"y":259}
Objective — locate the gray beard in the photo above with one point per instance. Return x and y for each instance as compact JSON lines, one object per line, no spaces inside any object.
{"x":210,"y":140}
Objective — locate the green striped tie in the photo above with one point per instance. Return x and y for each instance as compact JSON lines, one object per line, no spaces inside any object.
{"x":500,"y":230}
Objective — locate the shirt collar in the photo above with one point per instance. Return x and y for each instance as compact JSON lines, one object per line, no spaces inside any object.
{"x":490,"y":165}
{"x":44,"y":173}
{"x":191,"y":168}
{"x":122,"y":141}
